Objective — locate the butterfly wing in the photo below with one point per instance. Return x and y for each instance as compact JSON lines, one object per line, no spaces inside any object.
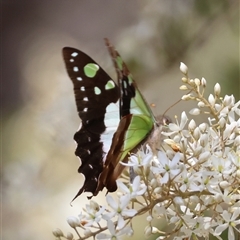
{"x":136,"y":124}
{"x":97,"y":100}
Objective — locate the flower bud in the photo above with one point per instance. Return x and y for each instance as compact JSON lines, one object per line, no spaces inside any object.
{"x":192,"y":125}
{"x":183,"y":87}
{"x":197,"y":82}
{"x":227,"y":100}
{"x":224,"y":184}
{"x":211,"y":100}
{"x":195,"y":111}
{"x":237,"y":141}
{"x":185,"y":97}
{"x":183,"y":68}
{"x":196,"y":133}
{"x":203,"y":82}
{"x":198,"y":151}
{"x":73,"y":222}
{"x":192,"y":82}
{"x":204,"y":156}
{"x":203,"y":127}
{"x":87,"y":233}
{"x":222,"y":122}
{"x":217,"y":89}
{"x":153,"y":183}
{"x":176,"y":139}
{"x":148,"y":231}
{"x":69,"y":236}
{"x":201,"y":104}
{"x":57,"y":232}
{"x":149,"y":218}
{"x":154,"y":230}
{"x":203,"y":140}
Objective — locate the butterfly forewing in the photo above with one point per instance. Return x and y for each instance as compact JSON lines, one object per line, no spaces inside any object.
{"x":97,"y":98}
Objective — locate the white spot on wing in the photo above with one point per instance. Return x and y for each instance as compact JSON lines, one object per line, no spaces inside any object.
{"x":97,"y":90}
{"x":82,"y":88}
{"x":85,"y":99}
{"x":111,"y":121}
{"x":85,"y":109}
{"x":79,"y":78}
{"x":74,"y":54}
{"x":90,"y":166}
{"x":124,"y":84}
{"x":71,"y":60}
{"x":75,"y":69}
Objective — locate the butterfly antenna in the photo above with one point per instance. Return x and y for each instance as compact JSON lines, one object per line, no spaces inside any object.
{"x":174,"y":104}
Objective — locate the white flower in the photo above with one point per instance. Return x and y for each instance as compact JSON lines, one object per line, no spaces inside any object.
{"x":189,"y":181}
{"x":142,"y":158}
{"x":135,"y":189}
{"x":94,"y":213}
{"x":231,"y":220}
{"x":222,"y":165}
{"x":168,"y":168}
{"x":114,"y":234}
{"x":177,"y":128}
{"x":119,"y":209}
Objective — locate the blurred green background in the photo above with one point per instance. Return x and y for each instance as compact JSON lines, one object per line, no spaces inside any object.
{"x":39,"y":169}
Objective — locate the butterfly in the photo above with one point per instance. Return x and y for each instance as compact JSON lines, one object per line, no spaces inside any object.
{"x":115,"y":119}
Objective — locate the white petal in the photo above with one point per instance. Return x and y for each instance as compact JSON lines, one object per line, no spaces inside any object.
{"x":111,"y":202}
{"x":103,"y":236}
{"x":121,"y":222}
{"x":122,"y":186}
{"x":184,"y":119}
{"x":136,"y":183}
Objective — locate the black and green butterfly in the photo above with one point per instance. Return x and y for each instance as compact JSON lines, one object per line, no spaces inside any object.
{"x":116,"y":119}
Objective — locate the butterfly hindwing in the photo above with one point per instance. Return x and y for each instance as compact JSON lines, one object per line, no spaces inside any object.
{"x":96,"y":97}
{"x":136,"y":124}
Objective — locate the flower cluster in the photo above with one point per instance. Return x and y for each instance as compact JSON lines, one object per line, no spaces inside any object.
{"x":193,"y":182}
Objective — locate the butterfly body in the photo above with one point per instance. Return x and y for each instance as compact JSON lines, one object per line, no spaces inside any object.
{"x":115,"y":118}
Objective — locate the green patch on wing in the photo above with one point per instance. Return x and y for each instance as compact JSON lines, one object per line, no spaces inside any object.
{"x":138,"y":129}
{"x":119,"y":62}
{"x":109,"y":85}
{"x":91,"y":69}
{"x":130,"y":79}
{"x":139,"y":106}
